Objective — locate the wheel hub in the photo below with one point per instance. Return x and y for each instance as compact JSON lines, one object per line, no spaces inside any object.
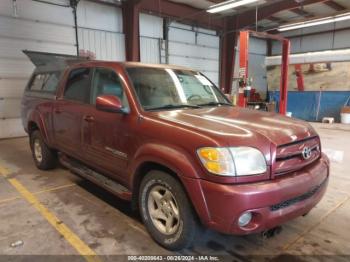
{"x":37,"y":150}
{"x":163,"y":210}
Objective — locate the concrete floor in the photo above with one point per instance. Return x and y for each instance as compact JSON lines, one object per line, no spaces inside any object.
{"x":108,"y":227}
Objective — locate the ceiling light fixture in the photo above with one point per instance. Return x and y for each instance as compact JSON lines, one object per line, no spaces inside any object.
{"x":314,"y":22}
{"x":228,"y":5}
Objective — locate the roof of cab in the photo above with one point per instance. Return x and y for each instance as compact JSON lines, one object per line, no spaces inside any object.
{"x":51,"y":61}
{"x":136,"y":64}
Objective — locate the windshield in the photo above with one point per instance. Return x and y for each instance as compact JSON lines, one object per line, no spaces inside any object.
{"x":164,"y":88}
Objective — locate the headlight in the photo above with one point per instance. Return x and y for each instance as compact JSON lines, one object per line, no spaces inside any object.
{"x":232,"y":161}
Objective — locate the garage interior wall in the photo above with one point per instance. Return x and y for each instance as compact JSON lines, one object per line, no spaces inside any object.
{"x":33,"y":26}
{"x":256,"y":66}
{"x":100,"y":30}
{"x":324,"y":37}
{"x":152,"y":47}
{"x":197,"y":48}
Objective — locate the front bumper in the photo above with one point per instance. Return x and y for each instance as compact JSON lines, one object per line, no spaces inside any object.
{"x":272,"y":202}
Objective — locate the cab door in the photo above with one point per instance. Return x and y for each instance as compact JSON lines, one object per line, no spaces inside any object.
{"x":68,"y":112}
{"x":106,"y":134}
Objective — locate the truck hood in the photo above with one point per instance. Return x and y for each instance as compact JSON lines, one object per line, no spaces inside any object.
{"x":236,"y":123}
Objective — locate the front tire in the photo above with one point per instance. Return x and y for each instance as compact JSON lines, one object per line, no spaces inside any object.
{"x":44,"y":157}
{"x":166,"y":211}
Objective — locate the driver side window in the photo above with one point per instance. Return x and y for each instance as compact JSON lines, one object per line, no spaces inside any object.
{"x":107,"y":82}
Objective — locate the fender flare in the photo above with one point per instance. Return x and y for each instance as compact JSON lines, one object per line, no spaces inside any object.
{"x":36,"y":117}
{"x":180,"y":163}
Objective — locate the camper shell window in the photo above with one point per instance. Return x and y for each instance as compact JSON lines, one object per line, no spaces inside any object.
{"x":45,"y":82}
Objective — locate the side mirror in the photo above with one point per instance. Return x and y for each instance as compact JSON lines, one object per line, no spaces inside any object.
{"x":109,"y":103}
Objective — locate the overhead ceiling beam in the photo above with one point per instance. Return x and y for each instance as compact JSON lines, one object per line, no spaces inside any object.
{"x":335,"y":6}
{"x":301,"y":12}
{"x":248,"y":18}
{"x":182,"y":13}
{"x":276,"y":19}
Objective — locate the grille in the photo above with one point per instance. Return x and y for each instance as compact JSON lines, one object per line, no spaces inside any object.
{"x":289,"y":156}
{"x":297,"y":199}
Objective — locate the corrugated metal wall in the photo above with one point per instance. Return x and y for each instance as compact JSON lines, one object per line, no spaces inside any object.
{"x":324,"y":37}
{"x":100,"y":30}
{"x":151,"y":39}
{"x":196,"y":48}
{"x":34,"y":26}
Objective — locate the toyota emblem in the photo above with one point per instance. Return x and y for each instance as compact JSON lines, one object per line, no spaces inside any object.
{"x":306,"y":153}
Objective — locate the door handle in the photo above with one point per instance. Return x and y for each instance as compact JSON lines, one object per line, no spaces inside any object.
{"x":89,"y":118}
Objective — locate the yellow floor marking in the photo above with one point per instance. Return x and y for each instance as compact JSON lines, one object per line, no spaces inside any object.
{"x":307,"y":231}
{"x":72,"y":238}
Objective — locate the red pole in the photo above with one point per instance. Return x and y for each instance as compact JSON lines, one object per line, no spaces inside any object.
{"x":284,"y":77}
{"x":300,"y":77}
{"x":243,"y":65}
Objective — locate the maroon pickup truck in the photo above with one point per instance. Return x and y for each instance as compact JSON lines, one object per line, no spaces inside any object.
{"x":166,"y":139}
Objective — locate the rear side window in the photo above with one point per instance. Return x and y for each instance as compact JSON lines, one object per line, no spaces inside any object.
{"x":78,"y":85}
{"x":45,"y":82}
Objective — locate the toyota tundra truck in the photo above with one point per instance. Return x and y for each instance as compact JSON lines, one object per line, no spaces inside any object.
{"x":167,"y":139}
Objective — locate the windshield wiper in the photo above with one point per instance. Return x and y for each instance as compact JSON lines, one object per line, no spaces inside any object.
{"x":173,"y":106}
{"x":215,"y":104}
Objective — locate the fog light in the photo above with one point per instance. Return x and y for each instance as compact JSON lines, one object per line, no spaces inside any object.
{"x":244,"y":219}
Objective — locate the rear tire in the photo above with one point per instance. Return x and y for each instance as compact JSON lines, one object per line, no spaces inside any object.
{"x":166,"y":211}
{"x":44,"y":157}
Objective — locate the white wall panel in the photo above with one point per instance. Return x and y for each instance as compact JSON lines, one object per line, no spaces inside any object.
{"x":342,"y":39}
{"x":11,"y":128}
{"x":105,"y":45}
{"x":195,"y":63}
{"x":12,"y":87}
{"x":23,"y":29}
{"x":27,"y":9}
{"x":208,"y":40}
{"x":15,"y":68}
{"x":10,"y":107}
{"x":98,"y":16}
{"x":100,"y":30}
{"x":180,"y":35}
{"x":150,"y":52}
{"x":11,"y":47}
{"x":151,"y":26}
{"x":151,"y":33}
{"x":189,"y":50}
{"x":319,"y":40}
{"x":196,"y":48}
{"x":38,"y":27}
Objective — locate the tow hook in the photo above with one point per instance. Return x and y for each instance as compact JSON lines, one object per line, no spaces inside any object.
{"x":271,"y":232}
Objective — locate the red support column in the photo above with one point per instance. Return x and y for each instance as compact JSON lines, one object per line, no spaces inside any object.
{"x":243,"y":65}
{"x":227,"y":56}
{"x":300,"y":77}
{"x":131,"y":11}
{"x":284,"y":77}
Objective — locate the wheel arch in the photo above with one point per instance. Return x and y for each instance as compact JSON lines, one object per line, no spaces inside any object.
{"x":36,"y":122}
{"x":191,"y":186}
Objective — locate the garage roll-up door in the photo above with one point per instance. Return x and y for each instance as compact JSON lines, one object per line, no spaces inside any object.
{"x":197,"y":48}
{"x":100,"y":30}
{"x":151,"y":35}
{"x":34,"y":26}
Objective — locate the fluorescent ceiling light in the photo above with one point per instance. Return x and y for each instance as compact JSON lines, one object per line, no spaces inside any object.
{"x":314,"y":22}
{"x":229,"y":5}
